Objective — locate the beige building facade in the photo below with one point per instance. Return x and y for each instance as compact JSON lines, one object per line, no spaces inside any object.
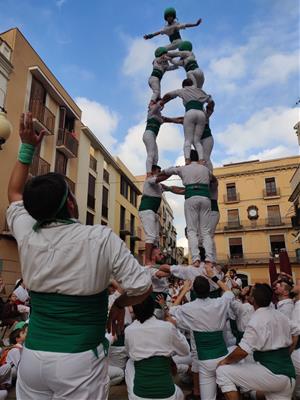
{"x":255,"y":216}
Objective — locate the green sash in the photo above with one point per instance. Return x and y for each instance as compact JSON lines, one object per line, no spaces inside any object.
{"x":193,"y":105}
{"x":157,"y":73}
{"x":153,"y":125}
{"x":175,"y":36}
{"x":150,"y":203}
{"x":154,"y":295}
{"x":197,"y":189}
{"x":234,"y":329}
{"x":214,"y":205}
{"x":210,"y":345}
{"x":191,"y":65}
{"x":206,"y":133}
{"x":153,"y":378}
{"x":67,"y":324}
{"x":277,"y":361}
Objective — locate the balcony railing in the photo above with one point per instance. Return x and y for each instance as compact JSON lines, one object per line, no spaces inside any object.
{"x":39,"y":166}
{"x":42,"y":117}
{"x":252,"y":258}
{"x":71,"y":184}
{"x":67,"y":143}
{"x":93,"y":163}
{"x":260,"y":223}
{"x":274,"y":192}
{"x":231,"y":198}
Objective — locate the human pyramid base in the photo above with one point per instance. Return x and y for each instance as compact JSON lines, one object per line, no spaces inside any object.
{"x":97,"y":316}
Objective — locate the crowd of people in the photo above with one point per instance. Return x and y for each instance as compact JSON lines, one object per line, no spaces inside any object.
{"x":97,"y":317}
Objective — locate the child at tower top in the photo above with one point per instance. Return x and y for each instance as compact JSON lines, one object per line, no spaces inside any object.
{"x":160,"y":66}
{"x":172,"y":29}
{"x":188,"y":62}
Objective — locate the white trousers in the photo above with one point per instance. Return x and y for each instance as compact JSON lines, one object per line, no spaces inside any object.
{"x":149,"y":139}
{"x":150,"y":222}
{"x":296,"y":361}
{"x":197,"y":77}
{"x":207,"y":378}
{"x":116,"y":375}
{"x":129,"y":378}
{"x":60,"y":376}
{"x":154,"y":84}
{"x":254,"y":376}
{"x":207,"y":145}
{"x":118,"y":356}
{"x":197,"y":215}
{"x":193,"y":124}
{"x":174,"y":45}
{"x":213,"y":222}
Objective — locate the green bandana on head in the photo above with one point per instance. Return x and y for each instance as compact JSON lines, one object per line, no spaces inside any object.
{"x":160,"y":51}
{"x":186,"y":46}
{"x":170,"y":12}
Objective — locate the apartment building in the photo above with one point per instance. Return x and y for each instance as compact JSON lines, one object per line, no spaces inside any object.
{"x":255,"y":215}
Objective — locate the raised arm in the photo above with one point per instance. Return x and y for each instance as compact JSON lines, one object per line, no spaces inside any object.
{"x":211,"y":275}
{"x":197,"y":23}
{"x":174,"y":189}
{"x":30,"y":140}
{"x":152,"y":35}
{"x":175,"y":120}
{"x":169,"y":96}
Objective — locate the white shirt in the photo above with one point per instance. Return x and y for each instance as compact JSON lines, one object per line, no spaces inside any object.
{"x":191,"y":173}
{"x":170,"y":29}
{"x":22,"y":294}
{"x":203,"y":315}
{"x":286,"y":307}
{"x":154,"y":338}
{"x":296,"y":314}
{"x":158,"y":284}
{"x":190,"y":272}
{"x":151,"y":188}
{"x":73,"y":259}
{"x":268,"y":329}
{"x":162,"y":64}
{"x":14,"y":355}
{"x":243,"y":313}
{"x":189,"y":93}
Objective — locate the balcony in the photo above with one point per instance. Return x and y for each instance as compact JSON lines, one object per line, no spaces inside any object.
{"x":42,"y":117}
{"x":273,"y":193}
{"x":39,"y":166}
{"x":274,"y":221}
{"x":251,"y":258}
{"x":71,"y":184}
{"x":125,"y":228}
{"x":260,"y":224}
{"x":93,"y":163}
{"x":231,"y":225}
{"x":231,"y":198}
{"x":67,"y":143}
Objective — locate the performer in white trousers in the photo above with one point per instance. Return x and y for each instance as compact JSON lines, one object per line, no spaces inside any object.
{"x":195,"y":117}
{"x":150,"y":344}
{"x":296,"y":353}
{"x":197,"y":206}
{"x":188,"y":62}
{"x":207,"y":142}
{"x":148,"y":209}
{"x":206,"y":318}
{"x":285,"y":304}
{"x":154,"y":121}
{"x":172,"y":29}
{"x":67,"y":267}
{"x":160,"y":66}
{"x":269,"y":337}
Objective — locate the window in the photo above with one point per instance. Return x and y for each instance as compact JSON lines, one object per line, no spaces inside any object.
{"x":277,"y":243}
{"x":124,"y":187}
{"x":61,"y":163}
{"x":122,"y":218}
{"x":89,"y":218}
{"x":233,"y":218}
{"x":235,"y":247}
{"x":132,"y":224}
{"x":271,"y":187}
{"x":231,"y":192}
{"x":274,"y":217}
{"x":133,"y":197}
{"x":91,"y":192}
{"x":103,"y":222}
{"x":93,"y":163}
{"x":105,"y":175}
{"x":105,"y":202}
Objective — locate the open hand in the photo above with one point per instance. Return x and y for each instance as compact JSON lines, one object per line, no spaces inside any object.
{"x":115,"y":321}
{"x":160,"y":299}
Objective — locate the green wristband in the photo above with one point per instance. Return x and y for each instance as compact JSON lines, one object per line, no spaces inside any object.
{"x":26,"y":153}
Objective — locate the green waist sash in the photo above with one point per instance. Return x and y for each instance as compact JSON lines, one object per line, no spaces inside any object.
{"x":175,"y":36}
{"x":191,"y":65}
{"x":214,"y":205}
{"x":277,"y":361}
{"x":234,"y":329}
{"x":206,"y":133}
{"x":193,"y":105}
{"x":67,"y":324}
{"x":155,"y":294}
{"x":150,"y":203}
{"x":153,"y":378}
{"x":210,"y":345}
{"x":157,"y":73}
{"x":153,"y":125}
{"x":197,"y":189}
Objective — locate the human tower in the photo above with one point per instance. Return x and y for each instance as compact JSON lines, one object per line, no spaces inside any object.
{"x":200,"y":187}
